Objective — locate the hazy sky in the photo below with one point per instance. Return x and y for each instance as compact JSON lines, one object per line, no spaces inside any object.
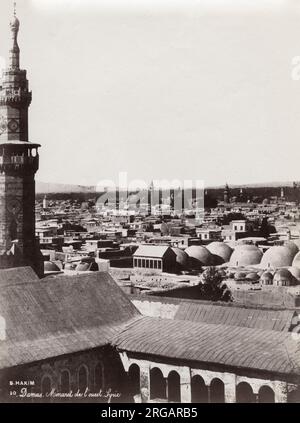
{"x":179,"y":89}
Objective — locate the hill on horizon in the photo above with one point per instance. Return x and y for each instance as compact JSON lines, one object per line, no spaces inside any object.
{"x":58,"y":188}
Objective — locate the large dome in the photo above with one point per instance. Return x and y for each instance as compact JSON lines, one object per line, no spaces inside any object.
{"x":221,"y":250}
{"x":181,"y":257}
{"x":277,"y":257}
{"x":200,"y":254}
{"x":245,"y":255}
{"x":266,"y":278}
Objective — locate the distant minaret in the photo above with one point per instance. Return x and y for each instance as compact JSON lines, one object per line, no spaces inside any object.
{"x":226,"y":194}
{"x":172,"y":200}
{"x":150,"y":197}
{"x":282,"y":193}
{"x":45,"y":202}
{"x":19,"y":161}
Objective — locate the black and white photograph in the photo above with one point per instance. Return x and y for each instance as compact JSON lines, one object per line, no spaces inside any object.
{"x":149,"y":204}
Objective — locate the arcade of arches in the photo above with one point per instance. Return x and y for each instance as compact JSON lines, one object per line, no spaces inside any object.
{"x":161,"y":382}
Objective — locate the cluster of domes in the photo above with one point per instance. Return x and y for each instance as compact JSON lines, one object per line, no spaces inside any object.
{"x":243,"y":257}
{"x":214,"y":254}
{"x":275,"y":257}
{"x":282,"y":277}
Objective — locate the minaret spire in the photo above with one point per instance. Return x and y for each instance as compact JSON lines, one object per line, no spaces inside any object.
{"x":14,"y":53}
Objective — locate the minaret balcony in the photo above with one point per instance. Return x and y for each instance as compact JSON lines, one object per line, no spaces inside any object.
{"x":19,"y":164}
{"x":19,"y":98}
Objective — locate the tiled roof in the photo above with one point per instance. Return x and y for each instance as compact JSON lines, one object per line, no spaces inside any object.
{"x":17,"y":275}
{"x":276,"y":352}
{"x":155,"y":251}
{"x":279,"y":320}
{"x":61,"y":315}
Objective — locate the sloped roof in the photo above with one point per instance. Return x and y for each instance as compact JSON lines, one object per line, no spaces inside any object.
{"x":276,"y":352}
{"x":155,"y":251}
{"x":17,"y":275}
{"x":278,"y":320}
{"x":61,"y":315}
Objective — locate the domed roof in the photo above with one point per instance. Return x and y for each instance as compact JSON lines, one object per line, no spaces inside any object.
{"x":201,"y":254}
{"x":245,"y":255}
{"x":220,"y":249}
{"x":181,"y":256}
{"x":252,"y":276}
{"x":278,"y":256}
{"x":283,"y":277}
{"x":49,"y":266}
{"x":267,"y":275}
{"x":292,"y":246}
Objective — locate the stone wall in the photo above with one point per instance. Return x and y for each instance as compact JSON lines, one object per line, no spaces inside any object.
{"x":103,"y":360}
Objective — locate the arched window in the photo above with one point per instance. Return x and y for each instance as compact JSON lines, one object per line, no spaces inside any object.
{"x":65,"y":381}
{"x":99,"y":377}
{"x":244,"y":393}
{"x":82,"y":378}
{"x":217,"y":392}
{"x":266,"y":395}
{"x":157,"y":384}
{"x":174,"y":387}
{"x":46,"y":385}
{"x":199,"y":390}
{"x":134,"y":379}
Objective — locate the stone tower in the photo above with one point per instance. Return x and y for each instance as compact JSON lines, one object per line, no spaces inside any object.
{"x":19,"y":162}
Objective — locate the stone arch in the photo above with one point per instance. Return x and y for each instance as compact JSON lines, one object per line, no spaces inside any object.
{"x":266,"y":394}
{"x":99,"y":381}
{"x":134,"y":379}
{"x":82,"y":378}
{"x":199,"y":390}
{"x":157,"y":384}
{"x":217,"y":391}
{"x":174,"y":394}
{"x":65,"y":381}
{"x":244,"y":393}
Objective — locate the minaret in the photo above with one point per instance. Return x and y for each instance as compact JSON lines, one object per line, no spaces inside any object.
{"x":226,"y":194}
{"x":19,"y":162}
{"x":45,"y":202}
{"x":150,"y":194}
